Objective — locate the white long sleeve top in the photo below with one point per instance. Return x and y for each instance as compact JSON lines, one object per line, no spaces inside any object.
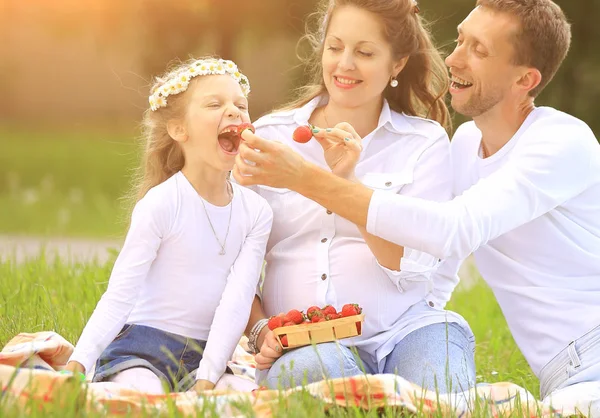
{"x":531,"y":215}
{"x":315,"y":257}
{"x":169,"y":274}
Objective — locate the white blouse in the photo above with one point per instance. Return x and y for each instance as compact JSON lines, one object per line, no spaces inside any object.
{"x":315,"y":257}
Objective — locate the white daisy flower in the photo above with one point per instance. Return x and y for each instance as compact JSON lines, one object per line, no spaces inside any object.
{"x":161,"y":102}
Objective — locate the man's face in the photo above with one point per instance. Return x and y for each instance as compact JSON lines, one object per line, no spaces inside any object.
{"x":481,"y":66}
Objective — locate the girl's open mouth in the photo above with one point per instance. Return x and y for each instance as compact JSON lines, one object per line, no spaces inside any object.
{"x":229,"y":140}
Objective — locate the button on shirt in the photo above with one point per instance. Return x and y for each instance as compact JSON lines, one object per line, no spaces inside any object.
{"x":315,"y":257}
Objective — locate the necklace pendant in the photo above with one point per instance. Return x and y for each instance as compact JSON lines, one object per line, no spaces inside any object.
{"x":222,"y":252}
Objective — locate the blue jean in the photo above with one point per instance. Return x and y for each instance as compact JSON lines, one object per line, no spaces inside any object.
{"x":438,"y":357}
{"x":573,"y":375}
{"x":172,"y":357}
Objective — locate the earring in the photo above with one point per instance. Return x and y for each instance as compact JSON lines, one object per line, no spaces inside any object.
{"x":394,"y":82}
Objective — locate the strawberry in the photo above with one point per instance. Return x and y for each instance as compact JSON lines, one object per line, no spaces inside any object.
{"x":358,"y":327}
{"x":302,"y":134}
{"x":328,"y":310}
{"x":351,"y":309}
{"x":289,"y":324}
{"x":316,"y":316}
{"x":274,"y":322}
{"x":243,"y":126}
{"x":330,"y":317}
{"x":311,"y":311}
{"x":284,"y":341}
{"x":295,"y":316}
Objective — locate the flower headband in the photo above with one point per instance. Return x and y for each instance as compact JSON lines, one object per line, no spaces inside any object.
{"x":180,"y":80}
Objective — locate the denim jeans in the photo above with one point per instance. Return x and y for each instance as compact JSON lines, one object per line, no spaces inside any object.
{"x":438,"y":357}
{"x":572,"y":377}
{"x":172,"y":357}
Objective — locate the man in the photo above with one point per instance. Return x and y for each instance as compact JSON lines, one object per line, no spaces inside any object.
{"x":527,"y":181}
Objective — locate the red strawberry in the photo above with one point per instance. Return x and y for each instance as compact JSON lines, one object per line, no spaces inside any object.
{"x":351,"y":309}
{"x":359,"y":327}
{"x":289,"y":324}
{"x":243,"y":126}
{"x":322,"y":319}
{"x":329,"y":310}
{"x":274,"y":322}
{"x":284,"y":341}
{"x":333,"y":316}
{"x":316,"y":316}
{"x":302,"y":134}
{"x":310,"y":311}
{"x":295,"y":316}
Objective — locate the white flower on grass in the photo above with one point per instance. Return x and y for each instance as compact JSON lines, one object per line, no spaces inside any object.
{"x":63,"y":217}
{"x":47,"y":184}
{"x":76,"y":196}
{"x":30,"y":196}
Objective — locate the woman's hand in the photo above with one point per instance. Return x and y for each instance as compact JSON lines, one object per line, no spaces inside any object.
{"x":270,"y":351}
{"x":202,"y":386}
{"x":269,"y":163}
{"x":74,"y":367}
{"x":341,"y":147}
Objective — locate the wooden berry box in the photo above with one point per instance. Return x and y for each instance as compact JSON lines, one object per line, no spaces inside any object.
{"x":320,"y":332}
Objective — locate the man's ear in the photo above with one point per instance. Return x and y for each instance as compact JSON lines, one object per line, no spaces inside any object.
{"x":530,"y":79}
{"x":177,"y":130}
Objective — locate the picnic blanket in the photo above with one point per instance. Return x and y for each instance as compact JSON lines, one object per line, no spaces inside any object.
{"x":29,"y":366}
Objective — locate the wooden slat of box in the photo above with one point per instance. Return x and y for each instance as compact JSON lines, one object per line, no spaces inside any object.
{"x":320,"y":332}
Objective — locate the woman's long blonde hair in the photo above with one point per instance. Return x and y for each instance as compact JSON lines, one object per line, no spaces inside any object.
{"x":422,"y":84}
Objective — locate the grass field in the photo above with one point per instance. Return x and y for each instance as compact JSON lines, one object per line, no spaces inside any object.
{"x":49,"y":294}
{"x":69,"y":185}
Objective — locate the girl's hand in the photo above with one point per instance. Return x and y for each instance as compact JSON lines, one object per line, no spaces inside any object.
{"x":270,"y":351}
{"x":74,"y":367}
{"x":203,"y":385}
{"x":342,"y":147}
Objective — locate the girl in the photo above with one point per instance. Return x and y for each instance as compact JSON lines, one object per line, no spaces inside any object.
{"x":374,"y":72}
{"x":180,"y":292}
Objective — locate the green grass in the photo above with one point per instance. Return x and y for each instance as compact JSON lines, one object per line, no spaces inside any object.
{"x":67,"y":184}
{"x":49,"y":294}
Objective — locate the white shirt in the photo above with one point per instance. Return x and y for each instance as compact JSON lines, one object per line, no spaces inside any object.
{"x":315,"y":257}
{"x":169,"y":274}
{"x":531,"y":214}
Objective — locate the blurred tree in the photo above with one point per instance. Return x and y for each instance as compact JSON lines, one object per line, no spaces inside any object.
{"x":154,"y":32}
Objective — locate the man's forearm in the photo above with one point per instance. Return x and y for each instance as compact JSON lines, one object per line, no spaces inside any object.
{"x":348,"y":199}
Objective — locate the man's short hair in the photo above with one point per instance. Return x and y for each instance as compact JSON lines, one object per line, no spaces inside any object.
{"x":544,"y":35}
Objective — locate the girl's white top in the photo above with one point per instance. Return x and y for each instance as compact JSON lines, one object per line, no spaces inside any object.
{"x":531,"y":215}
{"x":315,"y":257}
{"x":169,"y":274}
